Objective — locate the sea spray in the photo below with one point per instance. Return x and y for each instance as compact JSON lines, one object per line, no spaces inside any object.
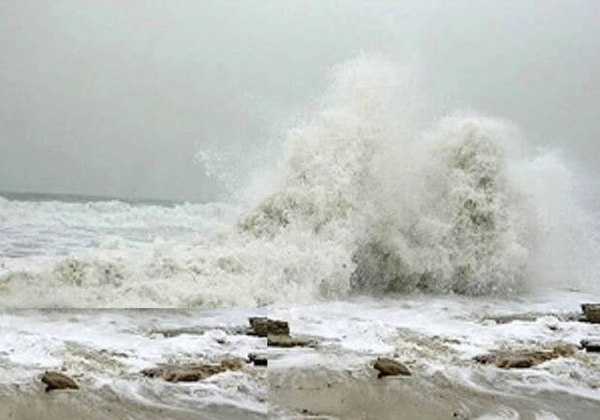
{"x":363,"y":202}
{"x":452,"y":221}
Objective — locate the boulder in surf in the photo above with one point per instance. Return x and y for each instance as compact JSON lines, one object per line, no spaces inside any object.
{"x":524,"y":359}
{"x":591,"y":312}
{"x":262,"y":327}
{"x":191,"y":372}
{"x":58,"y":381}
{"x":390,"y":367}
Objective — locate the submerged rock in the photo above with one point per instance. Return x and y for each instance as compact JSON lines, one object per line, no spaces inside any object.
{"x":390,"y":367}
{"x":58,"y":381}
{"x":276,"y":327}
{"x":524,"y":359}
{"x":192,"y":372}
{"x":592,"y":312}
{"x":286,"y":341}
{"x":518,"y":361}
{"x":277,"y":333}
{"x":259,"y":326}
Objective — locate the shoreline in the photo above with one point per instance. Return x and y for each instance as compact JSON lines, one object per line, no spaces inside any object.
{"x":324,"y":394}
{"x":464,"y":359}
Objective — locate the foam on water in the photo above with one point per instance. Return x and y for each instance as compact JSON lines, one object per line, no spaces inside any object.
{"x":106,"y":351}
{"x":363,"y":201}
{"x":437,"y":337}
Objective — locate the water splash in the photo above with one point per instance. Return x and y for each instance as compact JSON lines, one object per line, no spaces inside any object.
{"x":363,"y":202}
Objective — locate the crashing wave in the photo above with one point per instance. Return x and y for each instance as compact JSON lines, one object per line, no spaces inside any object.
{"x":363,"y":203}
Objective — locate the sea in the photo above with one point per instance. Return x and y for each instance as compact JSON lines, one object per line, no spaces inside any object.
{"x":376,"y":237}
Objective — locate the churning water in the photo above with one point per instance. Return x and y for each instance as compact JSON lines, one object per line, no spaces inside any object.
{"x":362,"y":202}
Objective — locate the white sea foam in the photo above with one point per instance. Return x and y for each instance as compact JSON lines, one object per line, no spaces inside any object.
{"x":106,"y":351}
{"x":438,"y":337}
{"x":363,"y":201}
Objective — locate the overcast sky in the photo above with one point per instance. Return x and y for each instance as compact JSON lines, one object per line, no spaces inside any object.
{"x":114,"y":97}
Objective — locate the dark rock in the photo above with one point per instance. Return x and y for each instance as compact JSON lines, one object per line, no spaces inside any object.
{"x":259,"y":326}
{"x":485,"y":359}
{"x":390,"y":367}
{"x":191,"y":372}
{"x":524,"y":359}
{"x":277,"y":333}
{"x":278,"y":327}
{"x":517,"y":361}
{"x":262,"y":327}
{"x":592,"y":312}
{"x":258,"y":360}
{"x":57,"y":381}
{"x":285,"y":341}
{"x":591,"y":346}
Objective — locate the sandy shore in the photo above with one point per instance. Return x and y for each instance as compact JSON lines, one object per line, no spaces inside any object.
{"x":441,"y":341}
{"x":315,"y":394}
{"x":106,"y":354}
{"x":92,"y":406}
{"x":328,"y":372}
{"x":323,"y":394}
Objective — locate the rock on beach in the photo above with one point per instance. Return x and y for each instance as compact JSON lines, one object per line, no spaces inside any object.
{"x":58,"y":381}
{"x":390,"y":367}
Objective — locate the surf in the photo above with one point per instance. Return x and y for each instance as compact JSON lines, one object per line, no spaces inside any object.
{"x":363,"y":201}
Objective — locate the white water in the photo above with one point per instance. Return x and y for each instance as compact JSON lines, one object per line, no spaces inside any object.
{"x":106,"y":352}
{"x":33,"y":229}
{"x":364,"y":200}
{"x":438,"y":337}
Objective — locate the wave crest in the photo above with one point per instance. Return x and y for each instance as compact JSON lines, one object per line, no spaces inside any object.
{"x":364,"y":203}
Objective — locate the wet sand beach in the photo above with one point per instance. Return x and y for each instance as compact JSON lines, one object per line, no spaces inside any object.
{"x":110,"y":355}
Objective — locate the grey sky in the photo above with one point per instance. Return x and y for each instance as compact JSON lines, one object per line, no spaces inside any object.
{"x":114,"y":97}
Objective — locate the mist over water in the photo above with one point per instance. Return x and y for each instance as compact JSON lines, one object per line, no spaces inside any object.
{"x":466,"y":206}
{"x":111,"y":100}
{"x":363,"y":201}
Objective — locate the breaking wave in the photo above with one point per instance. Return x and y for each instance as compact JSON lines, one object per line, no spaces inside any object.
{"x":363,"y":202}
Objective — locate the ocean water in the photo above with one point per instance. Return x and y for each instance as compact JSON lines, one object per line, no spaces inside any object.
{"x":106,"y":351}
{"x":364,"y":200}
{"x":78,"y":239}
{"x":437,"y":337}
{"x":366,"y":212}
{"x":55,"y":225}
